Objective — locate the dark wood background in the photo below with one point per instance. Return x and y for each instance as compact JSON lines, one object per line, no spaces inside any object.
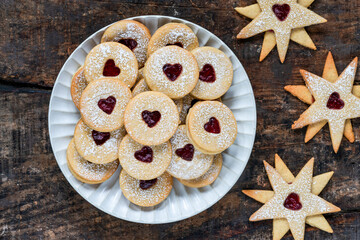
{"x":36,"y":201}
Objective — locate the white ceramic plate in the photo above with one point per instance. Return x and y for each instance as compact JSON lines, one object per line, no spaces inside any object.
{"x":183,"y":202}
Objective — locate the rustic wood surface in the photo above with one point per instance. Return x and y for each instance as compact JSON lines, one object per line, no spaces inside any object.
{"x":37,"y":202}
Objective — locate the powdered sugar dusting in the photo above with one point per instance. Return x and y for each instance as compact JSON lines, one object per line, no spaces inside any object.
{"x":78,"y":84}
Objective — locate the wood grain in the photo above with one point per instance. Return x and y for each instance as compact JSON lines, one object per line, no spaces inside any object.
{"x":37,"y":202}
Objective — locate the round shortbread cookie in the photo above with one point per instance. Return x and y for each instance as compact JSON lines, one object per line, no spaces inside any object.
{"x":173,"y":34}
{"x":172,"y":70}
{"x":132,"y":34}
{"x":144,"y":162}
{"x":216,"y":73}
{"x":151,"y":118}
{"x":111,"y":60}
{"x":145,"y":193}
{"x":102,"y":104}
{"x":187,"y":162}
{"x":78,"y":84}
{"x":188,"y":102}
{"x":211,"y":126}
{"x":86,"y":171}
{"x":209,"y":177}
{"x":97,"y":147}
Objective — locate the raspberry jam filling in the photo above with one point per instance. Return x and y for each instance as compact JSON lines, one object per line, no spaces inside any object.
{"x":186,"y":153}
{"x":212,"y":126}
{"x":145,"y":154}
{"x":146,"y":184}
{"x":172,"y":71}
{"x":107,"y":105}
{"x":281,"y":11}
{"x":110,"y":69}
{"x":130,"y":43}
{"x":151,"y":118}
{"x":179,"y":44}
{"x":100,"y":137}
{"x":207,"y":74}
{"x":335,"y":102}
{"x":292,"y":202}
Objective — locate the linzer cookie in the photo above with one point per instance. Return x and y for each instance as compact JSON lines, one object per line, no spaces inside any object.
{"x":145,"y":193}
{"x":151,"y":118}
{"x":216,"y":73}
{"x":209,"y":177}
{"x":132,"y":34}
{"x":86,"y":171}
{"x":211,"y":126}
{"x":144,"y":162}
{"x":177,"y":34}
{"x":97,"y":147}
{"x":187,"y":162}
{"x":172,"y":70}
{"x":78,"y":84}
{"x":112,"y":60}
{"x":280,"y":20}
{"x":102,"y":104}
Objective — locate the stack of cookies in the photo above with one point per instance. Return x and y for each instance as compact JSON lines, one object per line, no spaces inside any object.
{"x":152,"y":105}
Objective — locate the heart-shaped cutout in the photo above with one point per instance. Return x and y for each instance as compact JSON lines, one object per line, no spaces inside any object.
{"x":292,"y":202}
{"x":335,"y":102}
{"x":145,"y":154}
{"x":207,"y":74}
{"x":212,"y":126}
{"x":186,"y":153}
{"x":151,"y":118}
{"x":172,"y":71}
{"x":179,"y":44}
{"x":130,"y":43}
{"x":100,"y":137}
{"x":281,"y":11}
{"x":110,"y":69}
{"x":107,"y":105}
{"x":146,"y":184}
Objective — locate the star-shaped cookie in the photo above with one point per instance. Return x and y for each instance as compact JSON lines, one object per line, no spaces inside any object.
{"x":281,"y":226}
{"x":335,"y":100}
{"x":294,"y":202}
{"x":281,"y":16}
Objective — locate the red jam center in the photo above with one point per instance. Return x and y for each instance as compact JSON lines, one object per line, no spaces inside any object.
{"x":100,"y":137}
{"x":212,"y":126}
{"x":281,"y":11}
{"x":107,"y":105}
{"x":151,"y":118}
{"x":292,"y":202}
{"x":145,"y":154}
{"x":179,"y":44}
{"x":186,"y":153}
{"x":130,"y":43}
{"x":146,"y":184}
{"x":110,"y":69}
{"x":207,"y":74}
{"x":172,"y":71}
{"x":335,"y":102}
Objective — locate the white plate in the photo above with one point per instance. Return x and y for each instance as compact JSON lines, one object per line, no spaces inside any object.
{"x":183,"y":202}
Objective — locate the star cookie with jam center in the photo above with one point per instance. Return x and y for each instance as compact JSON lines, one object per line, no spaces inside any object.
{"x":281,"y":16}
{"x":334,"y":103}
{"x":281,"y":226}
{"x":293,"y":202}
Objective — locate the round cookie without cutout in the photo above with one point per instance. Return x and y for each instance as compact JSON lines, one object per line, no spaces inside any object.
{"x":144,"y":162}
{"x":97,"y":147}
{"x":112,"y":60}
{"x":102,"y":104}
{"x":157,"y":190}
{"x":151,"y":118}
{"x":216,"y":73}
{"x":209,"y":177}
{"x":132,"y":34}
{"x":172,"y":71}
{"x":78,"y":84}
{"x":86,"y":171}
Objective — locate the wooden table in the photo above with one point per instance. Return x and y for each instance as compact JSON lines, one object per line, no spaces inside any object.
{"x":37,"y":201}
